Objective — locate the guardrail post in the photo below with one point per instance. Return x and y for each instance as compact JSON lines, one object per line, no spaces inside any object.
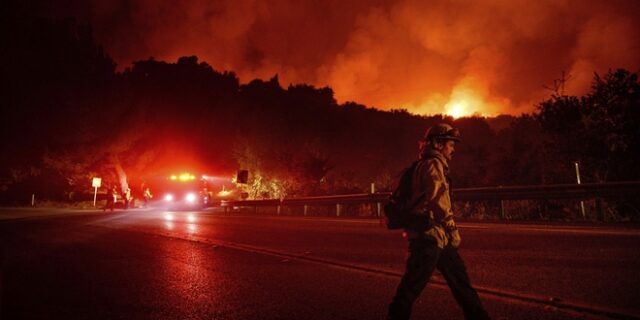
{"x":502,"y":213}
{"x":278,"y":209}
{"x":304,"y":212}
{"x":584,"y":215}
{"x":378,"y":209}
{"x":600,"y":210}
{"x":338,"y":209}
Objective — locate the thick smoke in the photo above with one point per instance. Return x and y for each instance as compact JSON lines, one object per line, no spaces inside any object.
{"x":491,"y":56}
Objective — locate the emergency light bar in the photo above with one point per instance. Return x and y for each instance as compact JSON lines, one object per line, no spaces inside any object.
{"x":183,"y":177}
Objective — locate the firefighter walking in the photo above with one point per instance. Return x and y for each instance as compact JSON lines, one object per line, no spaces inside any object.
{"x":433,"y":243}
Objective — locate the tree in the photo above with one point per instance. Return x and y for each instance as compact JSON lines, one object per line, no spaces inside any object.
{"x":54,"y":77}
{"x":518,"y":155}
{"x":611,"y":119}
{"x":599,"y":129}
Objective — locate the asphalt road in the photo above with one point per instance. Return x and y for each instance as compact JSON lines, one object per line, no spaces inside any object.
{"x":153,"y":264}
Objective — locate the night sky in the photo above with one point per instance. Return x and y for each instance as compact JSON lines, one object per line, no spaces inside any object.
{"x":457,"y":57}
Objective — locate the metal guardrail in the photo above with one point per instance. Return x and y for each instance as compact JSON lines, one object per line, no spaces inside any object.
{"x":338,"y":199}
{"x":559,"y":191}
{"x":311,"y":201}
{"x":251,"y":203}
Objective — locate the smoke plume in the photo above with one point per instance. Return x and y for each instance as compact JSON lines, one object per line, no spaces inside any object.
{"x":458,"y":57}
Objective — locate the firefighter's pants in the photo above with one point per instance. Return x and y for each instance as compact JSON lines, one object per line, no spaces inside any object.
{"x":424,"y":257}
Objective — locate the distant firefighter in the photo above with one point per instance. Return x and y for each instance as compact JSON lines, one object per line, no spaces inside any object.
{"x":127,"y":197}
{"x":112,"y":198}
{"x":146,"y":194}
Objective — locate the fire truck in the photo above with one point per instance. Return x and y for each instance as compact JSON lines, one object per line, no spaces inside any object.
{"x":185,"y":191}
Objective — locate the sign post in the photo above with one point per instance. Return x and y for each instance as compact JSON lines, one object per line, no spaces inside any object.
{"x":584,"y":216}
{"x":95,"y":184}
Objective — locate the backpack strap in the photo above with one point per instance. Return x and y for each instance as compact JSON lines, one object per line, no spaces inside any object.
{"x":406,"y":177}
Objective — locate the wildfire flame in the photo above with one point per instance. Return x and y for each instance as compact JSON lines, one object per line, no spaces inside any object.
{"x":465,"y":100}
{"x":457,"y":109}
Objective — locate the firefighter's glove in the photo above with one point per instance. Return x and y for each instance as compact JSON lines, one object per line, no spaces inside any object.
{"x":450,"y":225}
{"x":454,"y":237}
{"x":453,"y":233}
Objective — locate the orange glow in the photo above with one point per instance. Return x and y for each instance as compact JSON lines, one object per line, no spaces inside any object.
{"x":469,"y":99}
{"x":388,"y":56}
{"x":457,"y":109}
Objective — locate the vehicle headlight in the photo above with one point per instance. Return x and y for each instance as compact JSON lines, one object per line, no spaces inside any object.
{"x":168,"y":197}
{"x":191,"y":197}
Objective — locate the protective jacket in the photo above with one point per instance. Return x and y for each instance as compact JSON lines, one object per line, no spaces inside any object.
{"x":431,"y":197}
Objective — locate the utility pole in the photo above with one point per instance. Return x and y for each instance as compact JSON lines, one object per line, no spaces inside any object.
{"x":558,"y":84}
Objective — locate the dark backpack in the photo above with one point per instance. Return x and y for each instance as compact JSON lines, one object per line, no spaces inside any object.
{"x":398,"y":210}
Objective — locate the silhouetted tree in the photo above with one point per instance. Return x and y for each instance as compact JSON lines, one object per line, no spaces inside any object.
{"x":599,"y":129}
{"x":518,"y":153}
